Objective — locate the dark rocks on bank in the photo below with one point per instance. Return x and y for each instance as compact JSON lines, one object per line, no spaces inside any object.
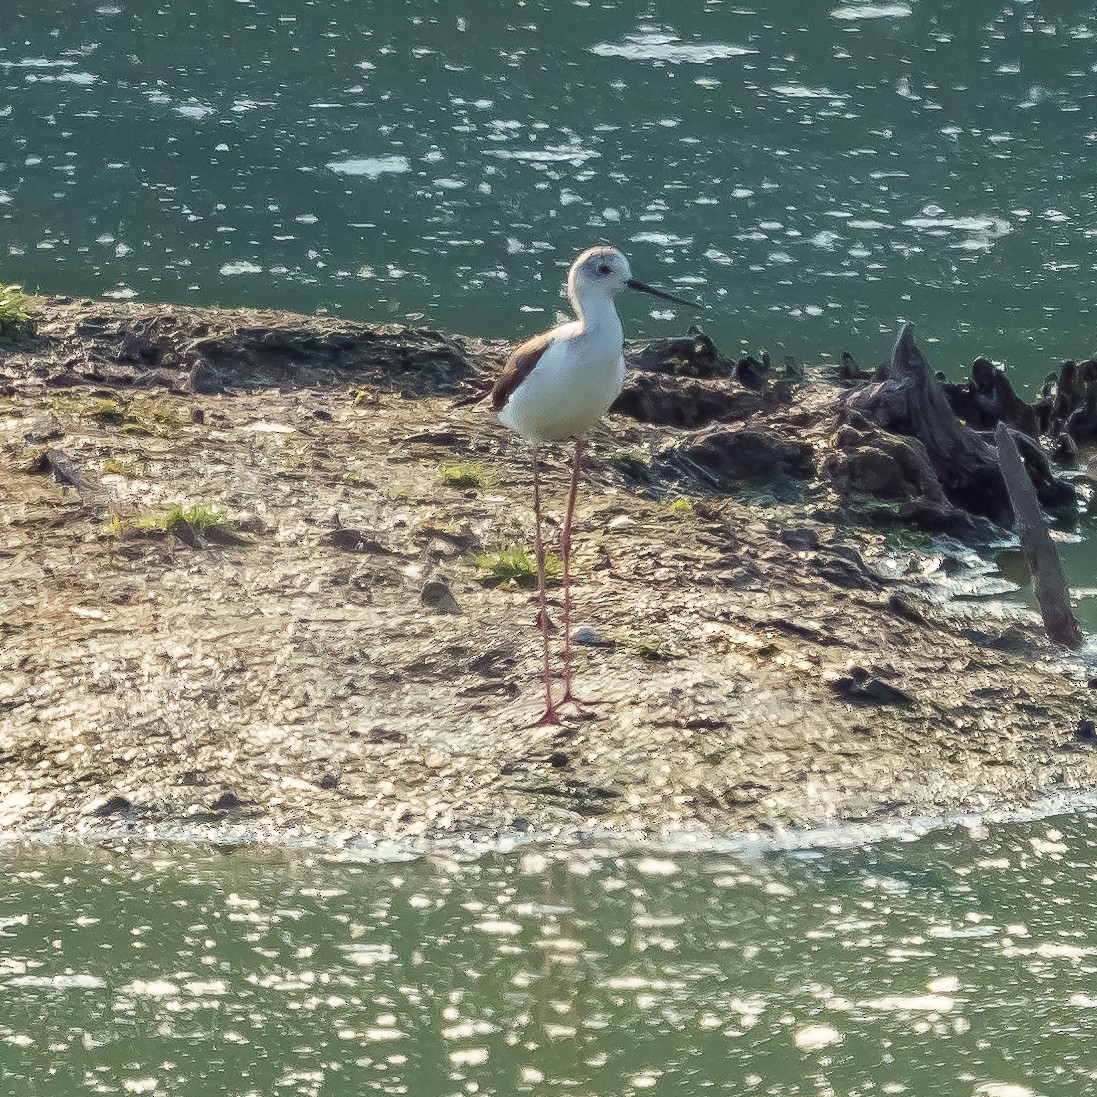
{"x":687,"y":402}
{"x":56,"y":461}
{"x":844,"y":567}
{"x":912,"y":403}
{"x":109,"y":805}
{"x":422,"y":361}
{"x":66,"y":379}
{"x":799,"y":540}
{"x":693,"y":355}
{"x":437,"y":595}
{"x":721,"y":457}
{"x":859,"y":690}
{"x":356,"y":540}
{"x":1064,"y":451}
{"x":204,"y":379}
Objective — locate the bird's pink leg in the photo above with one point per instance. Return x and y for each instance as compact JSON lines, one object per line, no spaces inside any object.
{"x":565,"y":550}
{"x":550,"y":715}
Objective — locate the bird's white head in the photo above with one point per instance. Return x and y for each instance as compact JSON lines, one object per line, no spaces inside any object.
{"x":598,"y":273}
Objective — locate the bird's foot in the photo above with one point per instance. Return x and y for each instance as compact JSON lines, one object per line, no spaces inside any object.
{"x":581,"y":705}
{"x":549,"y":718}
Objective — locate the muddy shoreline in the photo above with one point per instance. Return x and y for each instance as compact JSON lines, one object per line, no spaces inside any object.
{"x":308,"y":646}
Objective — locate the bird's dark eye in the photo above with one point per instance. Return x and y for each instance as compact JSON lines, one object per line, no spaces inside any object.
{"x":603,"y":269}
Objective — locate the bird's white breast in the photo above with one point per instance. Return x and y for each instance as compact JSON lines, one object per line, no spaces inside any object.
{"x":572,"y":385}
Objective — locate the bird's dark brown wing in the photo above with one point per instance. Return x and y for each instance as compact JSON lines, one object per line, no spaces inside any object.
{"x":519,"y":366}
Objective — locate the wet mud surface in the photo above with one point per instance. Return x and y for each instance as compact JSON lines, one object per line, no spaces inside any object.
{"x":236,"y":592}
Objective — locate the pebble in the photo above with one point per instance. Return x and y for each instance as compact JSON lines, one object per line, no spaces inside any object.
{"x":439,"y":597}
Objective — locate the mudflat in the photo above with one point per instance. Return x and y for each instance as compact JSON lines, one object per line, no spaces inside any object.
{"x":260,"y":572}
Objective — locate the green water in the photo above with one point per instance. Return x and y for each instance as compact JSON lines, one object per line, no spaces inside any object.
{"x":948,"y":965}
{"x":812,"y":172}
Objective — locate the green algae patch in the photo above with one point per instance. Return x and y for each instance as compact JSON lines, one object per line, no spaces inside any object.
{"x":514,"y":564}
{"x":195,"y":524}
{"x":468,"y":475}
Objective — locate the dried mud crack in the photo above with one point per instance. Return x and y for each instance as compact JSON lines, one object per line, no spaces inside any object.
{"x":238,"y":590}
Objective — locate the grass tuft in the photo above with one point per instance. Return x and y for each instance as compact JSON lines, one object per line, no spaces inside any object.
{"x":140,"y":417}
{"x":16,"y":309}
{"x":467,"y":474}
{"x":194,"y":524}
{"x":131,"y":470}
{"x":681,"y":508}
{"x":111,"y":413}
{"x":513,"y":564}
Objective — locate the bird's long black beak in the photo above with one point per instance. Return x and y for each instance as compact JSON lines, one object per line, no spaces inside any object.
{"x":634,"y":283}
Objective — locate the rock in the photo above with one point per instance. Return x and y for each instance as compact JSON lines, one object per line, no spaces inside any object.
{"x":845,"y":568}
{"x":66,"y":379}
{"x":65,"y":470}
{"x":590,"y":637}
{"x":157,"y":379}
{"x":421,"y":361}
{"x":686,"y":402}
{"x":227,"y":801}
{"x":355,"y":540}
{"x":694,"y":355}
{"x":44,"y":431}
{"x":870,"y":691}
{"x":204,"y":379}
{"x":437,"y":594}
{"x":884,"y":466}
{"x":721,"y":457}
{"x":799,"y":540}
{"x":903,"y":607}
{"x":109,"y":805}
{"x":1086,"y":731}
{"x":1052,"y":492}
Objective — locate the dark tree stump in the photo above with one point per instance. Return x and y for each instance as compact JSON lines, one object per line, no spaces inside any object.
{"x":1046,"y":567}
{"x":988,"y":399}
{"x":911,"y":402}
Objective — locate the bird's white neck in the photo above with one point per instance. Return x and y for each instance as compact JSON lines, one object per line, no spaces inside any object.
{"x":596,"y":310}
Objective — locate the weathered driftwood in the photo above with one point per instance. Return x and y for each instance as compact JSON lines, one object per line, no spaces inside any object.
{"x":1068,"y":402}
{"x":912,"y":402}
{"x":988,"y":399}
{"x":1043,"y":559}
